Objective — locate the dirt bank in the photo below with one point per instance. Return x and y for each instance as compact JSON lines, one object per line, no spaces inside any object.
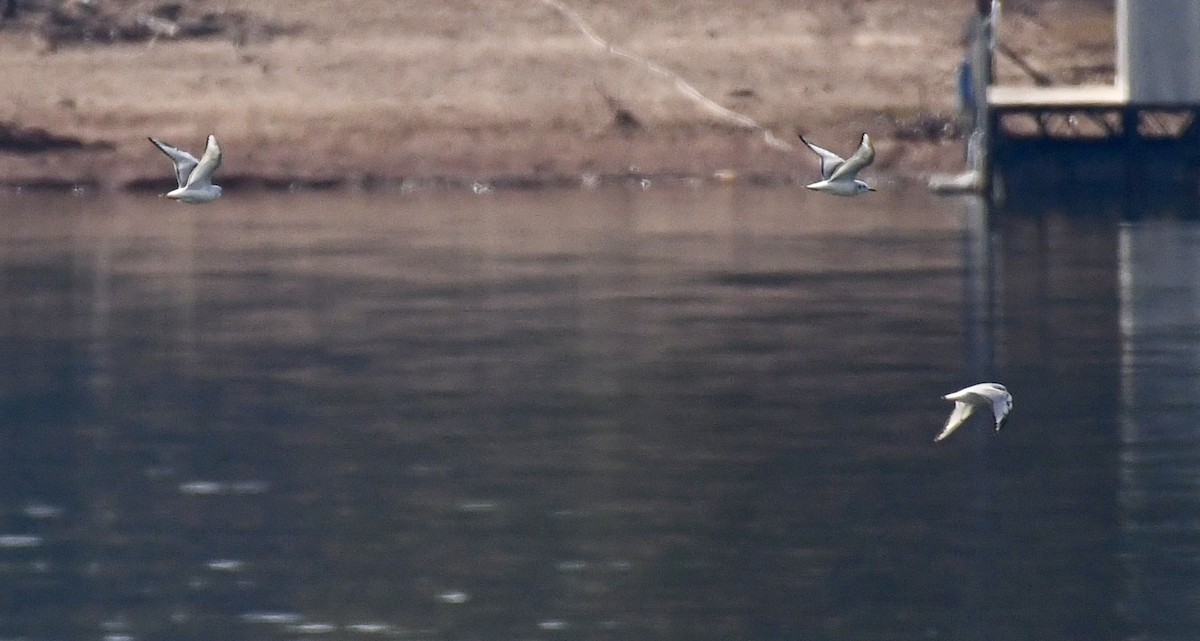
{"x":378,"y":90}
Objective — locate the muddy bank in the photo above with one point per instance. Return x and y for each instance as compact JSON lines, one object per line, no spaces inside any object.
{"x":513,"y":92}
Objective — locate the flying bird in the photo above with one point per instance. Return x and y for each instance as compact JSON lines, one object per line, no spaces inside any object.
{"x":840,"y":176}
{"x":194,"y":177}
{"x":994,"y":396}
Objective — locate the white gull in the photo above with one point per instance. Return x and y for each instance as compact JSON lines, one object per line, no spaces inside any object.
{"x":994,"y":396}
{"x":840,"y":176}
{"x":194,"y":177}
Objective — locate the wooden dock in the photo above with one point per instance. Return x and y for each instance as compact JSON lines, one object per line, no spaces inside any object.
{"x":1142,"y":131}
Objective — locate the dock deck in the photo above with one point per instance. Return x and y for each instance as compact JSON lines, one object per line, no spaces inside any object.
{"x":1071,"y":97}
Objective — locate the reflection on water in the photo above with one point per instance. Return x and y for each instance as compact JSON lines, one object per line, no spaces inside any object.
{"x":674,"y":413}
{"x":1160,"y":431}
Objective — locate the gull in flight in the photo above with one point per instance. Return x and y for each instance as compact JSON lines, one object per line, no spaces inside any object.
{"x":194,"y":176}
{"x":838,"y":176}
{"x":991,"y":395}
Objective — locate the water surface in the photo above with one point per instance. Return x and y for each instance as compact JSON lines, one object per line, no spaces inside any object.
{"x":682,"y":413}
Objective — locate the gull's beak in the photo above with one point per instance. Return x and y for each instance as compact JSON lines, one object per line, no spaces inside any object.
{"x":871,"y":189}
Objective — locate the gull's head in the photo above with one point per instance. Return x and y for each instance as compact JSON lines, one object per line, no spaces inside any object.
{"x":861,"y":187}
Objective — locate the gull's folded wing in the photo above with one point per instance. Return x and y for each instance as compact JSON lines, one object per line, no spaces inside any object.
{"x":208,"y":164}
{"x":962,"y":412}
{"x":183,"y":161}
{"x":1001,"y":405}
{"x":829,"y":160}
{"x":863,"y":156}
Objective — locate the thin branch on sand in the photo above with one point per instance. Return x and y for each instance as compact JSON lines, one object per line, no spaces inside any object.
{"x":680,"y":84}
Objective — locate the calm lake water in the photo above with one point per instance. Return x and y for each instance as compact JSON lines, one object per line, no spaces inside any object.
{"x":675,"y":413}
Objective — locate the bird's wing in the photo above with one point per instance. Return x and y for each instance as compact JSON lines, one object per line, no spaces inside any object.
{"x":209,"y":162}
{"x":183,"y":161}
{"x":1001,"y":405}
{"x":962,"y":412}
{"x":829,"y":160}
{"x":863,"y":156}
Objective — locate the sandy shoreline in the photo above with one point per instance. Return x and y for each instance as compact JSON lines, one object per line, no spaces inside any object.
{"x":377,"y":92}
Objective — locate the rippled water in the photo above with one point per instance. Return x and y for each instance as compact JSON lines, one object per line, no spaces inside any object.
{"x":685,"y":413}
